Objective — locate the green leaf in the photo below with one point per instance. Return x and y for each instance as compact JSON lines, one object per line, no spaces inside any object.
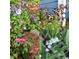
{"x":67,"y":38}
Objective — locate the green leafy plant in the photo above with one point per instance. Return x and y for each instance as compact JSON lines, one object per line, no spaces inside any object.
{"x":22,"y":19}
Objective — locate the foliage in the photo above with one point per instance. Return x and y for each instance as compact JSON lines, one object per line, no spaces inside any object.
{"x":40,"y":23}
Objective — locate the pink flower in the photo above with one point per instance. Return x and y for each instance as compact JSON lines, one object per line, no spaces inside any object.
{"x":21,"y":40}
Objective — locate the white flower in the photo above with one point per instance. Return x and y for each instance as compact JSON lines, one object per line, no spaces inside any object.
{"x":24,"y":28}
{"x":49,"y":46}
{"x":40,"y":56}
{"x":54,"y":40}
{"x":48,"y":43}
{"x":47,"y":50}
{"x":51,"y":40}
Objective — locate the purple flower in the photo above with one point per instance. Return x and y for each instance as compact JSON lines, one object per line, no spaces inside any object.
{"x":23,"y":3}
{"x":17,"y":10}
{"x":33,"y":17}
{"x":21,"y":40}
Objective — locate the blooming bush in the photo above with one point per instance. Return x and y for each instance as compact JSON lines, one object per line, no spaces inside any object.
{"x":32,"y":32}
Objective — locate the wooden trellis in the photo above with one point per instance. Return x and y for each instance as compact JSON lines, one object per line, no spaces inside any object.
{"x":62,"y":9}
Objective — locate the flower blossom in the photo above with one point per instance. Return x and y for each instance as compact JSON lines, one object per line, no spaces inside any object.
{"x":23,"y":3}
{"x":47,"y":50}
{"x":52,"y":40}
{"x":21,"y":40}
{"x":18,"y":10}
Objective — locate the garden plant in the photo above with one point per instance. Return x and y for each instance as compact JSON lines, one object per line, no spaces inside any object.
{"x":34,"y":34}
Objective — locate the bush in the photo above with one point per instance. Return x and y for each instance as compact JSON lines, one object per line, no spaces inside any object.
{"x":26,"y":17}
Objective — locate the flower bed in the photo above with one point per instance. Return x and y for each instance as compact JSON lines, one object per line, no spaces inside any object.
{"x":35,"y":35}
